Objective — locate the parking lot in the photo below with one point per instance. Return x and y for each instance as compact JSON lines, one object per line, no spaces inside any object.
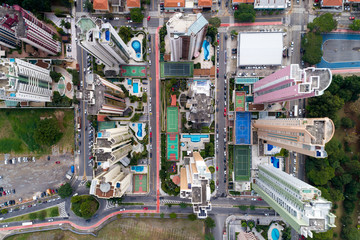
{"x":32,"y":178}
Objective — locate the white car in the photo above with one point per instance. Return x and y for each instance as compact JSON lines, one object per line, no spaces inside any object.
{"x":122,"y":209}
{"x":4,"y":226}
{"x":51,"y":220}
{"x":116,"y":18}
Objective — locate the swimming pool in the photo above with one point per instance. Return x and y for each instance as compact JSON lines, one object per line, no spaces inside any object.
{"x":137,"y":47}
{"x":195,"y":138}
{"x":129,"y":82}
{"x":275,"y":162}
{"x":137,"y":168}
{"x":275,"y":234}
{"x":139,"y":132}
{"x":135,"y":87}
{"x":206,"y":47}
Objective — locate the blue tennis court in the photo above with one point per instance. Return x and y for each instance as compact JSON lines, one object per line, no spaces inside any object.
{"x":242,"y":128}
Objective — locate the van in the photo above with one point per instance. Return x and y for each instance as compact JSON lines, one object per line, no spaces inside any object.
{"x":75,"y":194}
{"x":149,"y":62}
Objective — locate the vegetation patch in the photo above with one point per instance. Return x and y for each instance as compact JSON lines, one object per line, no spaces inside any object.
{"x":41,"y":215}
{"x":84,"y":206}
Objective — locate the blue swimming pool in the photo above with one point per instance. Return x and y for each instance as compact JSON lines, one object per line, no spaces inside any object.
{"x":139,"y":132}
{"x":137,"y":168}
{"x":275,"y":162}
{"x":135,"y":87}
{"x":137,"y":47}
{"x":195,"y":138}
{"x":275,"y":234}
{"x":129,"y":82}
{"x":206,"y":47}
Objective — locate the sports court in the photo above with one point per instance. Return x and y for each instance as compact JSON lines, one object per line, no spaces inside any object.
{"x":242,"y":128}
{"x":172,"y":120}
{"x":239,"y":101}
{"x":242,"y":160}
{"x":341,"y":50}
{"x":172,"y":147}
{"x":176,"y":69}
{"x":133,"y":71}
{"x":140,"y":183}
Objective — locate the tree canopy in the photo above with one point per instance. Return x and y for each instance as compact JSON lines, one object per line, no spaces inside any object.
{"x":311,"y":43}
{"x":323,"y":23}
{"x":355,"y":26}
{"x":125,"y":33}
{"x":245,"y":13}
{"x":55,"y":76}
{"x":65,"y":190}
{"x":136,"y":15}
{"x":215,"y":21}
{"x":47,"y":132}
{"x":84,"y":206}
{"x":209,"y":222}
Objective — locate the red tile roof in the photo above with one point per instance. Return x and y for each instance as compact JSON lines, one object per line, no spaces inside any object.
{"x":330,"y":3}
{"x":174,"y":3}
{"x":205,"y":3}
{"x":243,"y":1}
{"x":176,"y":180}
{"x":101,"y":5}
{"x":133,"y":3}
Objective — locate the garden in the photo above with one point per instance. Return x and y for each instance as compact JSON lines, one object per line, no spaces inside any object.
{"x":84,"y":206}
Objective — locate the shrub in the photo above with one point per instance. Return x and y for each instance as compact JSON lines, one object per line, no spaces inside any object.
{"x":192,"y":217}
{"x":172,"y":215}
{"x":65,"y":190}
{"x":209,"y":222}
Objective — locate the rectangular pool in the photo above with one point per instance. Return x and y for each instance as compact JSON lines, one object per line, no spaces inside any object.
{"x":195,"y":138}
{"x":135,"y":87}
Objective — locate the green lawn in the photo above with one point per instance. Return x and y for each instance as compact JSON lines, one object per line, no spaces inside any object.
{"x":26,"y":217}
{"x":18,"y":128}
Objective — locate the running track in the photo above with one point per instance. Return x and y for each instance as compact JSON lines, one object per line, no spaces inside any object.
{"x":250,"y":24}
{"x":157,"y":79}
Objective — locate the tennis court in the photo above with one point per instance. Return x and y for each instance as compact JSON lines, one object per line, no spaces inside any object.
{"x":239,"y":101}
{"x":172,"y":120}
{"x":242,"y":128}
{"x":176,"y":69}
{"x":242,"y":160}
{"x":140,"y":183}
{"x":133,"y":71}
{"x":172,"y":147}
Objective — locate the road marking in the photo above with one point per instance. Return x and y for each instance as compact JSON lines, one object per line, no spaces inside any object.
{"x":83,"y":109}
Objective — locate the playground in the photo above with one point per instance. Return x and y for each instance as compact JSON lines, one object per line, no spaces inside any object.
{"x":172,"y":118}
{"x":172,"y":147}
{"x":239,"y":101}
{"x":242,"y":163}
{"x":133,"y":71}
{"x":140,"y":183}
{"x":242,"y":128}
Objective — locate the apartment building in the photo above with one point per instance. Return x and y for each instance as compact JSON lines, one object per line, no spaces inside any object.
{"x":112,"y":145}
{"x":297,"y":202}
{"x":194,"y":184}
{"x":23,"y":82}
{"x":186,"y":35}
{"x":103,"y":42}
{"x":292,"y":83}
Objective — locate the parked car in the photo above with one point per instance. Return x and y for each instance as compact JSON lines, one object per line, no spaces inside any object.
{"x":351,"y":18}
{"x":57,"y":162}
{"x":146,"y":208}
{"x":148,"y":18}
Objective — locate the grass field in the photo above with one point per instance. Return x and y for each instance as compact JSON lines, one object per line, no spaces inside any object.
{"x":149,"y":229}
{"x":18,"y":127}
{"x":26,"y":217}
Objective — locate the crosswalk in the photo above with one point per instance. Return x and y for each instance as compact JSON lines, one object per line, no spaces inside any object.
{"x":110,"y":205}
{"x":62,"y":211}
{"x":164,"y":201}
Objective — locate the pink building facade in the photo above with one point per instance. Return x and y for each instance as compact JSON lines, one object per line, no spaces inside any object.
{"x":292,"y":83}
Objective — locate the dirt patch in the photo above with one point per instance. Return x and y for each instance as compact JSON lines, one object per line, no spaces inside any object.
{"x":60,"y":117}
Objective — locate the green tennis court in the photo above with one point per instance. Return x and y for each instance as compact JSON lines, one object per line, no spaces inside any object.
{"x":242,"y":160}
{"x":172,"y":119}
{"x":132,"y":71}
{"x":140,"y":183}
{"x":176,"y":69}
{"x":106,"y":125}
{"x":172,"y":147}
{"x":240,"y":101}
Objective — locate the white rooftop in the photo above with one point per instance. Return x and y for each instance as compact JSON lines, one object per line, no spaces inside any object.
{"x":260,"y":49}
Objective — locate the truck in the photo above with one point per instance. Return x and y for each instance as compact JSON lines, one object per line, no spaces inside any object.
{"x":27,"y":223}
{"x":72,"y":168}
{"x":79,"y":123}
{"x":77,"y":65}
{"x":296,"y":110}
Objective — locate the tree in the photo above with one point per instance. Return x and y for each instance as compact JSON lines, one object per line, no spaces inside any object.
{"x":55,"y":76}
{"x":355,"y":106}
{"x":215,"y":21}
{"x":84,"y":206}
{"x":245,"y":13}
{"x":162,"y":215}
{"x":286,"y":233}
{"x":173,"y":215}
{"x":252,"y":207}
{"x":33,"y":216}
{"x":244,"y":224}
{"x":325,"y":105}
{"x":347,"y":122}
{"x":144,"y":97}
{"x":136,"y":15}
{"x":355,"y":26}
{"x":312,"y":45}
{"x":322,"y":176}
{"x":125,"y":33}
{"x":234,"y":32}
{"x":209,"y":222}
{"x":88,"y":184}
{"x":351,"y":137}
{"x":243,"y":207}
{"x":4,"y":211}
{"x":67,"y":25}
{"x":211,"y":169}
{"x":47,"y":132}
{"x":89,"y":6}
{"x":323,"y":23}
{"x":212,"y":32}
{"x":183,"y":205}
{"x":209,"y":236}
{"x":65,"y":190}
{"x":192,"y":217}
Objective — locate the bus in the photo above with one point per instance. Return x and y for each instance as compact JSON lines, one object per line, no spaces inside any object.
{"x":27,"y":223}
{"x":296,"y":110}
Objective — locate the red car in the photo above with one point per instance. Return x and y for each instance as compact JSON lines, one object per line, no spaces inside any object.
{"x":218,"y":41}
{"x":224,"y":114}
{"x":217,"y":70}
{"x":217,"y":168}
{"x":52,"y":190}
{"x":351,"y":18}
{"x":4,"y":193}
{"x":146,"y":208}
{"x":128,"y":18}
{"x":224,"y":109}
{"x":30,"y":206}
{"x":150,"y":134}
{"x":90,"y":157}
{"x":148,"y":18}
{"x":57,"y":162}
{"x":259,"y":199}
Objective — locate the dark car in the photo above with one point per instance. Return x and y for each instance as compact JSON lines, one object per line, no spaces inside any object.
{"x":225,"y":180}
{"x":1,"y":189}
{"x":87,"y":220}
{"x":48,"y":158}
{"x":13,"y":191}
{"x":0,"y":194}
